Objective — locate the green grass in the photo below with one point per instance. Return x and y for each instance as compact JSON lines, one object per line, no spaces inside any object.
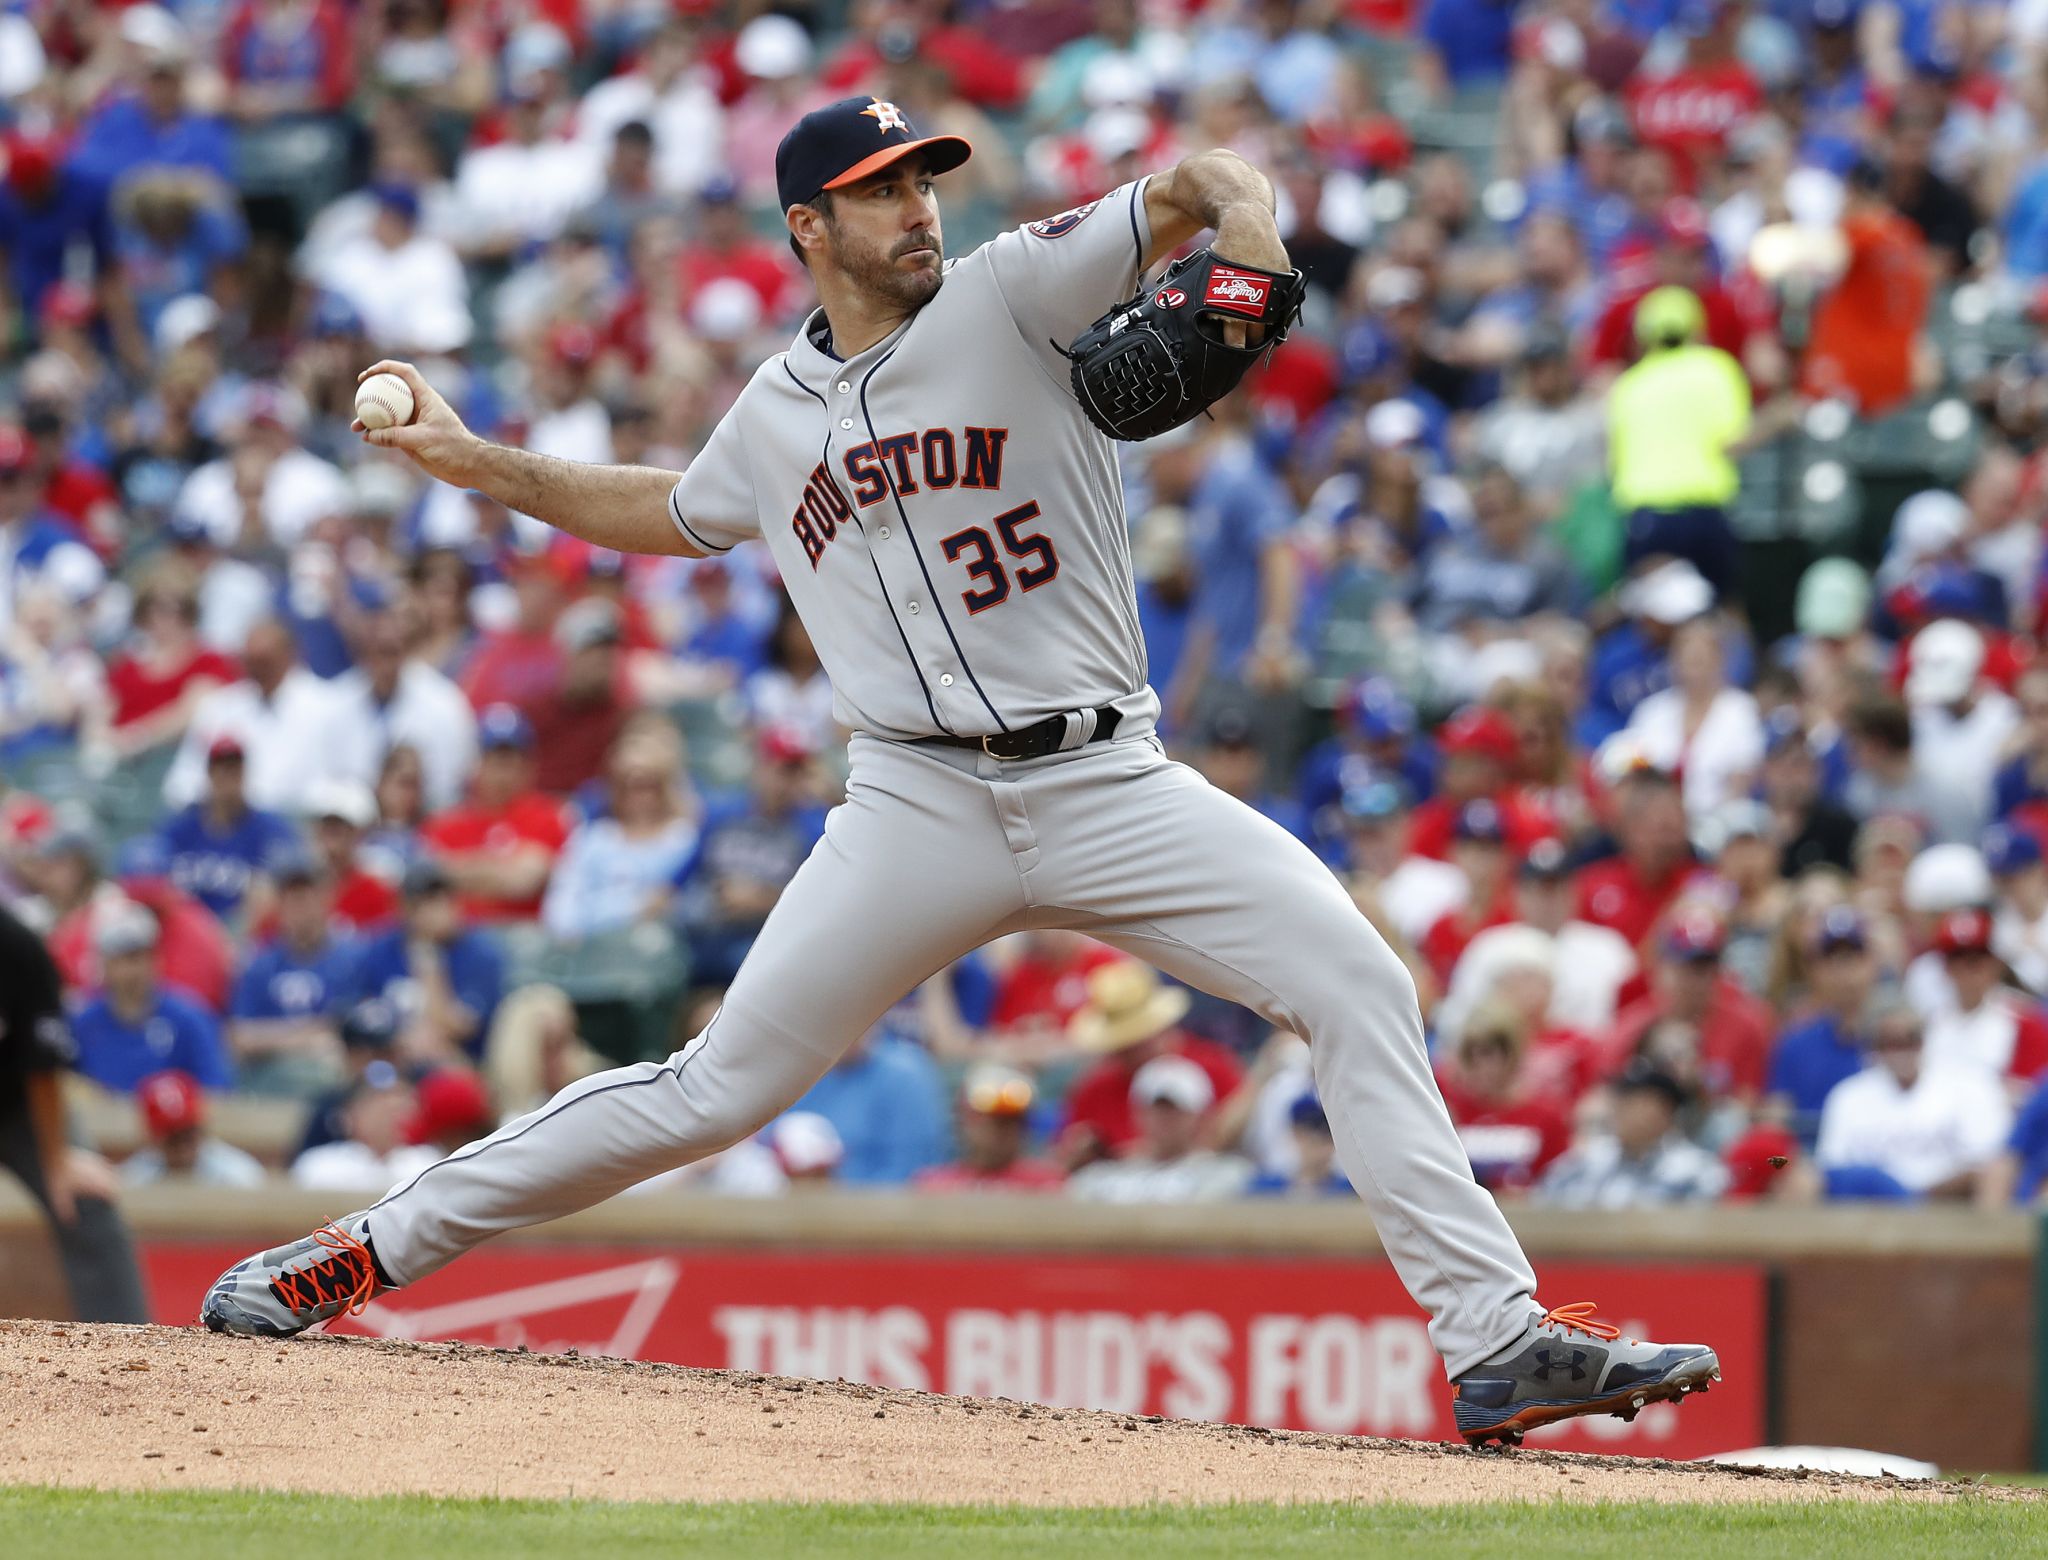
{"x":44,"y":1524}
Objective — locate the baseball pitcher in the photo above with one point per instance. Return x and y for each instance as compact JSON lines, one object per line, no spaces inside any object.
{"x":931,"y":465}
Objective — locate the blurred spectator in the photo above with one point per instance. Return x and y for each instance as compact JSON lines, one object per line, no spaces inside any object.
{"x":1700,"y":728}
{"x":1866,"y":346}
{"x":1810,"y":829}
{"x":1232,"y":760}
{"x":747,"y":857}
{"x":1930,"y":1125}
{"x":1402,"y":892}
{"x":1673,"y":422}
{"x":451,"y":1109}
{"x":1511,"y":1133}
{"x":499,"y":846}
{"x":2019,"y":930}
{"x":1988,"y":1027}
{"x":1480,"y":754}
{"x":807,"y":1149}
{"x":1544,"y":433}
{"x":372,"y":1155}
{"x":220,"y":849}
{"x":137,"y":1025}
{"x":287,"y":57}
{"x":181,"y":1150}
{"x":393,"y":696}
{"x":671,"y":94}
{"x":1479,"y":851}
{"x":1503,"y":569}
{"x":165,"y":670}
{"x":1590,"y":966}
{"x":1817,"y":1053}
{"x":1631,"y":890}
{"x":887,"y":1103}
{"x":1715,"y":1037}
{"x":443,"y":978}
{"x":992,"y":1121}
{"x":35,"y":547}
{"x":1962,"y":726}
{"x":407,"y":286}
{"x":340,"y":811}
{"x":2018,"y":1175}
{"x":281,"y":1019}
{"x":74,"y":1186}
{"x":791,"y":692}
{"x":620,"y":870}
{"x":1631,"y":660}
{"x":1643,"y":1160}
{"x":1042,"y":985}
{"x":577,"y":722}
{"x":283,"y":717}
{"x":523,"y":186}
{"x":368,"y":1031}
{"x":1315,"y":1173}
{"x":1130,"y":1018}
{"x":146,"y":120}
{"x":1162,"y":1163}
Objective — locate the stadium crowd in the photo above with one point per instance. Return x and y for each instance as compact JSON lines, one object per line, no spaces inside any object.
{"x":1713,"y":839}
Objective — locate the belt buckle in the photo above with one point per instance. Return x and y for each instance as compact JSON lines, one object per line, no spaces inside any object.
{"x":991,"y":752}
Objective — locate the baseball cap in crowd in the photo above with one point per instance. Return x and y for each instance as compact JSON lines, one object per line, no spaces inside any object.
{"x":333,"y":315}
{"x":370,"y":1025}
{"x":296,"y":867}
{"x":784,"y":745}
{"x":1173,"y":1080}
{"x":1480,"y":823}
{"x":1480,"y":731}
{"x":124,"y":928}
{"x":1395,"y":425}
{"x":1963,"y":931}
{"x":587,"y":624}
{"x":1394,"y":287}
{"x":1785,"y":732}
{"x":1670,"y":316}
{"x":1739,"y":818}
{"x":426,"y":876}
{"x":1374,"y":801}
{"x":2008,"y":850}
{"x":1672,"y":593}
{"x":348,"y":800}
{"x":773,"y":48}
{"x":503,"y":726}
{"x":225,"y":748}
{"x":1545,"y":342}
{"x":1834,"y":598}
{"x":806,"y":1143}
{"x":154,"y":33}
{"x":68,"y":303}
{"x":401,"y":200}
{"x":846,"y":141}
{"x":721,"y":189}
{"x":1127,"y":1003}
{"x":1841,"y":931}
{"x":171,"y":1102}
{"x":1947,"y":877}
{"x":451,"y":1102}
{"x":1643,"y":1076}
{"x":1307,"y":1111}
{"x":1695,"y":937}
{"x":991,"y":1089}
{"x":1230,"y":727}
{"x":1944,"y":661}
{"x":1378,"y":711}
{"x":1547,"y":862}
{"x":1833,"y":15}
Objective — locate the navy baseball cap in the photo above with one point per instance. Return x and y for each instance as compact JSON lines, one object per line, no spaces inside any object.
{"x":2008,"y":850}
{"x":1480,"y":821}
{"x":1379,"y":711}
{"x":1841,"y":929}
{"x":503,"y":726}
{"x":844,"y":142}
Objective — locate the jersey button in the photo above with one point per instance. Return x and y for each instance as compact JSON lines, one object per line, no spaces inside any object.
{"x":945,"y":679}
{"x":883,"y":533}
{"x":846,"y":422}
{"x":913,"y":607}
{"x":844,"y":387}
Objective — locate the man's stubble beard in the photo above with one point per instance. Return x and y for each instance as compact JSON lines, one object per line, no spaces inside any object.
{"x":874,"y":272}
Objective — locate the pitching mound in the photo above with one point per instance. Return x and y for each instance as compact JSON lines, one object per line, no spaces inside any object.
{"x":161,"y":1407}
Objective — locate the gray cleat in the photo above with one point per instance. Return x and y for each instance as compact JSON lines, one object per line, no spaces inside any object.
{"x":281,"y":1292}
{"x":1568,"y":1364}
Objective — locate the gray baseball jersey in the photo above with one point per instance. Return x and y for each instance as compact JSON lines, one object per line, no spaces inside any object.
{"x":950,"y":528}
{"x":949,"y":524}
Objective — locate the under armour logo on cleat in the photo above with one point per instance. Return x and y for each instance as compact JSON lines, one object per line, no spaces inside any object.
{"x":1576,"y":1364}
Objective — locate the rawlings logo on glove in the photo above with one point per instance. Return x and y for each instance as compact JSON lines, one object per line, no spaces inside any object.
{"x":1154,"y":362}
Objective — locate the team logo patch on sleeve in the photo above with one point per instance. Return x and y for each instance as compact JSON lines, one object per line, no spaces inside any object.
{"x":1064,"y":223}
{"x":1237,"y":292}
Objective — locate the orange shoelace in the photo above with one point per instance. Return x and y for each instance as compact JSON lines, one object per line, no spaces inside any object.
{"x":316,"y":1286}
{"x":1578,"y":1317}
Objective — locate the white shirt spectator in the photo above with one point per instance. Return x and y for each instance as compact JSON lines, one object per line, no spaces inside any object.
{"x":776,"y":699}
{"x":1597,"y":1174}
{"x":1420,"y":892}
{"x":1953,"y":1119}
{"x":1201,"y":1176}
{"x":1715,"y":761}
{"x":1960,"y":756}
{"x":233,"y":597}
{"x":1985,"y":1039}
{"x":1588,"y":966}
{"x":2022,"y":944}
{"x":288,"y":741}
{"x":299,"y":489}
{"x":411,"y":298}
{"x":349,"y":1166}
{"x":688,"y":126}
{"x":69,"y":567}
{"x":527,"y":192}
{"x":218,"y":1164}
{"x":426,"y":712}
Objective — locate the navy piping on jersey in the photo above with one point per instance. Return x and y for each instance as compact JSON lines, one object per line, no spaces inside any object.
{"x":917,"y":552}
{"x":825,"y":463}
{"x":1137,"y":239}
{"x":711,"y":549}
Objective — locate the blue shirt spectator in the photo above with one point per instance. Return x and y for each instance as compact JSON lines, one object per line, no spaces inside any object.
{"x":137,"y":1025}
{"x":167,"y":243}
{"x":1238,"y":510}
{"x":475,"y":970}
{"x":47,"y":209}
{"x":1809,"y":1060}
{"x":1473,"y":39}
{"x":888,"y":1102}
{"x":216,"y":858}
{"x":287,"y":980}
{"x":2029,"y":1146}
{"x":152,"y":129}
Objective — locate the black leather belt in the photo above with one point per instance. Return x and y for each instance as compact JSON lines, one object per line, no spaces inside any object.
{"x":1054,"y":734}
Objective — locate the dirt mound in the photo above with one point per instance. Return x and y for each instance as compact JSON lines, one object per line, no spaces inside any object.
{"x":161,"y":1407}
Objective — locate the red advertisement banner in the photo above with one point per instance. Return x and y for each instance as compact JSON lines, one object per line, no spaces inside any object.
{"x":1333,"y":1346}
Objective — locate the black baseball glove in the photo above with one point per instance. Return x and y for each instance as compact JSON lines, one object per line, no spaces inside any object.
{"x":1158,"y":360}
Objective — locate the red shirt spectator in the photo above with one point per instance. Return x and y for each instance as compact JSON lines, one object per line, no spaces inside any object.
{"x":1632,"y":890}
{"x":1511,"y":1133}
{"x":1479,"y":750}
{"x":193,"y":952}
{"x":289,"y":58}
{"x":994,"y":1118}
{"x":1049,"y":981}
{"x":1991,"y":1027}
{"x":500,"y":845}
{"x":1132,"y":1016}
{"x":1697,"y":1023}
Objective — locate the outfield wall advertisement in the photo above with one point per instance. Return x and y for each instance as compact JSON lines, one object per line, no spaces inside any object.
{"x":1331,"y":1346}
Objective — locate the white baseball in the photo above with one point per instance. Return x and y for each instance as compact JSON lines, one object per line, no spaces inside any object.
{"x":384,"y":401}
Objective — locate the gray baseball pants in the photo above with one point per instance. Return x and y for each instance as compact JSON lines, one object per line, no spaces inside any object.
{"x":935,"y":852}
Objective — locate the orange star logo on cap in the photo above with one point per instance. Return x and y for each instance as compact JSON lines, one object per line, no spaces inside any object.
{"x":886,"y":116}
